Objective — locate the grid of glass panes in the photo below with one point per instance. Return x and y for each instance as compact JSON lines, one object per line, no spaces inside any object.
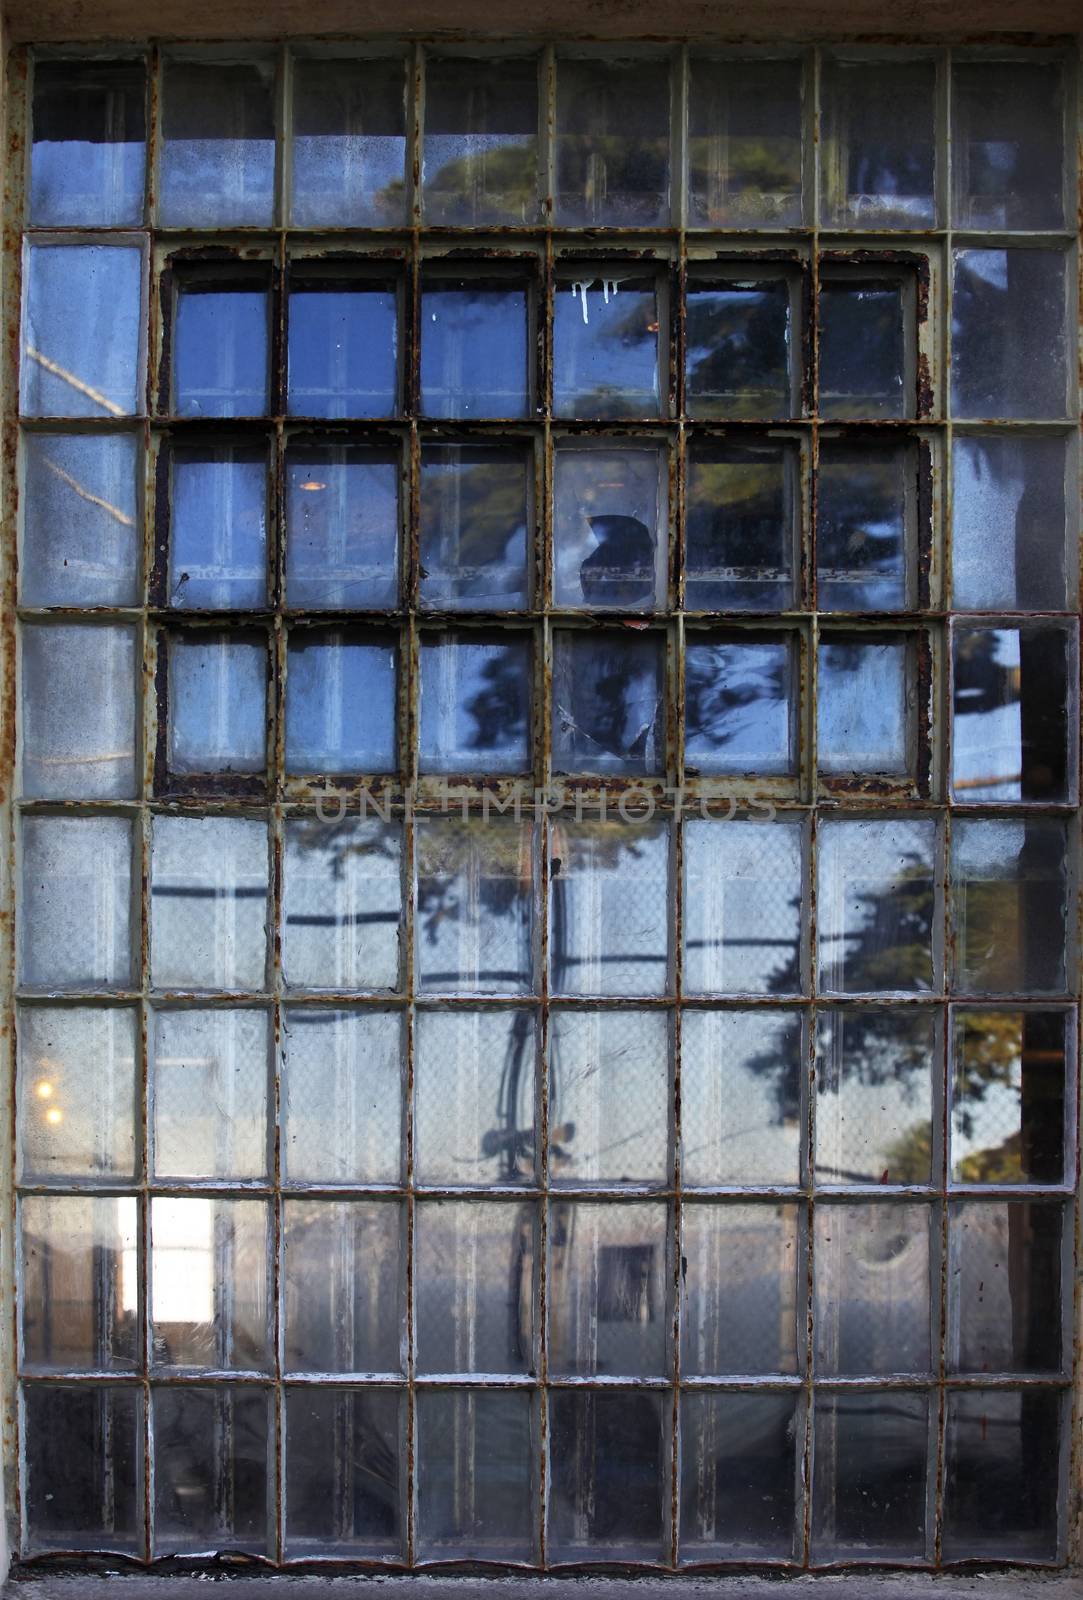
{"x":479,"y":1184}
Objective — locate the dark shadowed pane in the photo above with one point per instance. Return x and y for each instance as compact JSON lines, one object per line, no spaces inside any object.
{"x":606,"y":345}
{"x":476,"y":526}
{"x":744,"y":143}
{"x":1009,"y":350}
{"x":737,"y":350}
{"x":739,"y":1455}
{"x":1009,"y":545}
{"x":475,"y":702}
{"x":612,"y":143}
{"x":742,"y":508}
{"x":1013,"y":700}
{"x":1007,"y":148}
{"x":1009,"y":1097}
{"x":865,"y":516}
{"x":343,"y":1473}
{"x":477,"y":1475}
{"x":481,"y":141}
{"x":1004,"y":1286}
{"x":869,"y":1476}
{"x":211,"y":1469}
{"x":1002,"y":1467}
{"x":740,"y":701}
{"x":89,"y":153}
{"x":1009,"y":906}
{"x":607,"y":1448}
{"x":608,"y":714}
{"x":349,"y":143}
{"x":218,"y":151}
{"x":474,"y":350}
{"x":84,"y":1467}
{"x":876,"y":143}
{"x":342,"y":527}
{"x":343,"y":350}
{"x":862,"y":363}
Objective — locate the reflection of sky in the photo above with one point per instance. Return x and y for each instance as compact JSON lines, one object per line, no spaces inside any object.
{"x":861,"y":722}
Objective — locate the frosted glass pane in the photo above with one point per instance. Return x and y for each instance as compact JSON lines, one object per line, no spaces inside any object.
{"x":209,"y":903}
{"x":82,"y":331}
{"x":79,"y":746}
{"x":1009,"y":350}
{"x":81,"y":539}
{"x":83,"y":863}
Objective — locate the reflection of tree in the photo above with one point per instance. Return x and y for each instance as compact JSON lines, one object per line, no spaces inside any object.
{"x":473,"y":506}
{"x":739,"y":515}
{"x":493,"y":184}
{"x":737,"y":351}
{"x":500,"y":707}
{"x":723,"y":685}
{"x":860,"y":512}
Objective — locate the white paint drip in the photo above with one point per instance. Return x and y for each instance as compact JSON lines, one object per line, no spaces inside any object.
{"x":580,"y":289}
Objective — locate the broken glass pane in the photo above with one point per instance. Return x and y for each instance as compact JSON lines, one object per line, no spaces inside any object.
{"x":343,"y":348}
{"x":480,"y":142}
{"x":78,"y":745}
{"x":474,"y":344}
{"x":476,"y":520}
{"x":475,"y":702}
{"x":741,"y":1074}
{"x":218,"y":527}
{"x":1009,"y":338}
{"x":348,"y":150}
{"x":218,"y":145}
{"x":744,"y":144}
{"x":877,"y":929}
{"x":217,"y":701}
{"x":342,"y":527}
{"x":80,"y":535}
{"x":743,"y":503}
{"x":82,"y":331}
{"x":1009,"y":906}
{"x":1007,"y":144}
{"x":89,"y":154}
{"x":862,"y":362}
{"x":737,"y":350}
{"x":1013,"y":697}
{"x":606,"y":345}
{"x":609,"y":1095}
{"x":341,"y":687}
{"x":863,"y":705}
{"x":865,"y":511}
{"x":610,"y":527}
{"x":740,"y":703}
{"x":877,"y":143}
{"x":221,"y":350}
{"x":608,"y":713}
{"x":1009,"y":1096}
{"x":612,"y":143}
{"x":1009,"y":511}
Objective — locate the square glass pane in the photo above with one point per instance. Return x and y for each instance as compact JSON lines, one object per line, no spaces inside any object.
{"x":608,"y":712}
{"x":218,"y":151}
{"x":1010,"y":549}
{"x":474,"y":1097}
{"x":84,"y":1477}
{"x":342,"y":1292}
{"x":1007,"y":144}
{"x":610,"y":527}
{"x":341,"y":1096}
{"x":218,"y":527}
{"x":476,"y":702}
{"x":481,"y":142}
{"x":739,"y":1475}
{"x":612,"y":143}
{"x":875,"y":1071}
{"x":609,"y":891}
{"x":79,"y":1283}
{"x":742,"y":510}
{"x":609,"y":1097}
{"x":474,"y":349}
{"x":211,"y":1472}
{"x":341,"y":689}
{"x":877,"y":146}
{"x":89,"y":154}
{"x":1009,"y":1096}
{"x":474,"y":1286}
{"x":878,"y":925}
{"x":744,"y":144}
{"x":476,"y":1493}
{"x":741,"y":695}
{"x":210,"y":1266}
{"x":348,"y":152}
{"x":741,"y":1092}
{"x":607,"y":1448}
{"x":869,"y":1496}
{"x":866,"y":512}
{"x":1001,"y":1474}
{"x":608,"y":1270}
{"x":1014,"y":719}
{"x":608,"y":335}
{"x":83,"y":331}
{"x":864,"y":703}
{"x":342,"y":904}
{"x":743,"y":1310}
{"x":217,"y":701}
{"x":862,"y":359}
{"x":475,"y":909}
{"x":738,"y":343}
{"x":476,"y":527}
{"x":344,"y":1499}
{"x":75,"y":745}
{"x":744,"y":882}
{"x":1009,"y":334}
{"x":209,"y":1093}
{"x":78,"y":1069}
{"x":1005,"y":1264}
{"x":343,"y":348}
{"x":83,"y":862}
{"x":1009,"y":906}
{"x":208,"y":903}
{"x":221,"y":349}
{"x":342,"y":527}
{"x":871,"y":1314}
{"x":81,"y":539}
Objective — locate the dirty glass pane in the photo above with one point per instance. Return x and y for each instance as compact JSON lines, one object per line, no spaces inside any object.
{"x":343,"y":349}
{"x":218,"y":153}
{"x":741,"y":1076}
{"x":341,"y":903}
{"x":342,"y":527}
{"x":1013,"y":704}
{"x":612,"y":143}
{"x":474,"y":347}
{"x":742,"y":510}
{"x":1009,"y":906}
{"x":744,"y":144}
{"x":84,"y":862}
{"x":739,"y":1475}
{"x":209,"y":1077}
{"x":607,"y":1449}
{"x":876,"y":143}
{"x":609,"y":908}
{"x":341,"y":1096}
{"x":208,"y":899}
{"x":218,"y":527}
{"x":1007,"y":144}
{"x":474,"y":1286}
{"x":738,"y":344}
{"x":211,"y":1472}
{"x":866,"y":510}
{"x":81,"y":543}
{"x":476,"y":1488}
{"x":89,"y":153}
{"x":83,"y":1488}
{"x":1009,"y":339}
{"x":609,"y":1096}
{"x":877,"y":922}
{"x":348,"y":150}
{"x":740,"y":703}
{"x":474,"y":1097}
{"x":342,"y":1285}
{"x":869,"y":1492}
{"x":78,"y":1068}
{"x":607,"y":1299}
{"x":1004,"y":1287}
{"x":343,"y":1500}
{"x":1009,"y":1097}
{"x":476,"y":527}
{"x":80,"y":1283}
{"x":1009,"y":545}
{"x":743,"y":1311}
{"x":1002,"y":1467}
{"x":864,"y":705}
{"x":610,"y":527}
{"x":78,"y":746}
{"x":82,"y":331}
{"x":875,"y":1071}
{"x":217,"y":702}
{"x":475,"y":702}
{"x":872,"y":1311}
{"x":481,"y":141}
{"x":862,"y":364}
{"x":475,"y":904}
{"x":209,"y":1276}
{"x":607,"y":339}
{"x":608,"y":713}
{"x":341,"y":686}
{"x":221,"y":350}
{"x":742,"y":907}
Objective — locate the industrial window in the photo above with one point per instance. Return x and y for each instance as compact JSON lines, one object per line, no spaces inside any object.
{"x":547,"y":783}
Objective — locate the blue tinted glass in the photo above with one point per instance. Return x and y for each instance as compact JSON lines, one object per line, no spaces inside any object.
{"x":343,"y":352}
{"x":605,"y":348}
{"x":217,"y":702}
{"x":340,"y":701}
{"x":861,"y":706}
{"x":863,"y":494}
{"x":739,"y":695}
{"x":221,"y":353}
{"x":81,"y":332}
{"x":218,"y":544}
{"x":218,"y":152}
{"x":475,"y":516}
{"x":475,"y":703}
{"x":89,"y":154}
{"x":737,"y":350}
{"x":342,"y":527}
{"x":349,"y":143}
{"x":474,"y":352}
